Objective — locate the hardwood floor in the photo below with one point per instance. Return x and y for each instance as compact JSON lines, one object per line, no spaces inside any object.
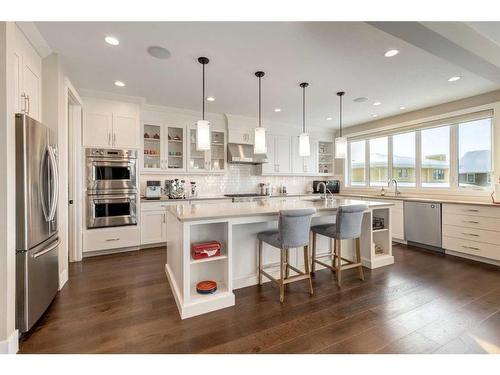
{"x":424,"y":303}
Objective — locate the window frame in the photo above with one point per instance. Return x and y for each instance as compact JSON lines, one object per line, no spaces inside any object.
{"x":454,"y":184}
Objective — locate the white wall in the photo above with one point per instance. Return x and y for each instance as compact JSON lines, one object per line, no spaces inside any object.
{"x":8,"y":333}
{"x":53,"y":115}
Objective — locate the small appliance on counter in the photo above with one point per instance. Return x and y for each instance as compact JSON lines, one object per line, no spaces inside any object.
{"x":264,"y":188}
{"x":153,"y":190}
{"x":331,"y":185}
{"x":175,"y":189}
{"x":193,"y":193}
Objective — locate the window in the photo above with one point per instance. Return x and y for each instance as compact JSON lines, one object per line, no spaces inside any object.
{"x":435,"y":161}
{"x":357,"y":163}
{"x":379,"y":161}
{"x":403,"y":159}
{"x":474,"y":153}
{"x":456,"y":152}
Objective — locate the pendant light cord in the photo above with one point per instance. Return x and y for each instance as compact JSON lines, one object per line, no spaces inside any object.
{"x":203,"y":93}
{"x":340,"y":115}
{"x":304,"y":109}
{"x":260,"y":104}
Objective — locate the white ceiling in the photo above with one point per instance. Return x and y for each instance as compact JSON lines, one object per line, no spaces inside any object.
{"x":331,"y":56}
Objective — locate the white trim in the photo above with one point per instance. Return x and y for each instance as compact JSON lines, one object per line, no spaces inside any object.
{"x":63,"y":278}
{"x":11,"y":345}
{"x":472,"y":257}
{"x":35,"y":38}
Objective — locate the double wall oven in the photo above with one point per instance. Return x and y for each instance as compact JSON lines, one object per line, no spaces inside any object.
{"x":111,"y":187}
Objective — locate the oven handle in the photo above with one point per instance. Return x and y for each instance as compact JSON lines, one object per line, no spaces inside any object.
{"x":111,"y":199}
{"x":111,"y":161}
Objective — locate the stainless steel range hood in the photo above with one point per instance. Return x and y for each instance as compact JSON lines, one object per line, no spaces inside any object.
{"x":243,"y":154}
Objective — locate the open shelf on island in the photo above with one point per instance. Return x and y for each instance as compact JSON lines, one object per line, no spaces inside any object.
{"x":197,"y":297}
{"x":206,"y":260}
{"x":380,"y":230}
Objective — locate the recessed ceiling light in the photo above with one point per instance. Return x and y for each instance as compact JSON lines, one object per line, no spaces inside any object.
{"x":374,"y":115}
{"x":454,"y":78}
{"x":391,"y":53}
{"x":329,"y":119}
{"x":119,"y":83}
{"x":376,"y":104}
{"x":277,"y":109}
{"x":361,"y":99}
{"x":112,"y":40}
{"x":210,"y":99}
{"x":159,"y":52}
{"x":402,"y":107}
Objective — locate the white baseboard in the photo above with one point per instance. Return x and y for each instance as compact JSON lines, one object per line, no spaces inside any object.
{"x":63,"y":278}
{"x":11,"y":345}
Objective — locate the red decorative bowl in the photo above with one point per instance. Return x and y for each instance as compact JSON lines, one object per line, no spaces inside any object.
{"x":206,"y":287}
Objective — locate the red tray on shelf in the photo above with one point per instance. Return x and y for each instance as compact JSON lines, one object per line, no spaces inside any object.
{"x":205,"y":250}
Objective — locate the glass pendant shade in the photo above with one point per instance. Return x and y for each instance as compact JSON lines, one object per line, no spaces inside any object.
{"x":340,"y":147}
{"x":304,"y":145}
{"x":202,"y":135}
{"x":259,"y":145}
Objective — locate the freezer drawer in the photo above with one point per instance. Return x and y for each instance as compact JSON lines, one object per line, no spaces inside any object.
{"x":423,"y":223}
{"x":37,"y":282}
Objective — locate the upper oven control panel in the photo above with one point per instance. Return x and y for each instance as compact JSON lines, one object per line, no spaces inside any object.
{"x":110,"y":153}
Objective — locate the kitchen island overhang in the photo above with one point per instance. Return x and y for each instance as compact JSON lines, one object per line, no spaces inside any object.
{"x":235,"y":227}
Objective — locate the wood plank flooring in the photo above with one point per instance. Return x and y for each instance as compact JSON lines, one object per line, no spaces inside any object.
{"x":424,"y":303}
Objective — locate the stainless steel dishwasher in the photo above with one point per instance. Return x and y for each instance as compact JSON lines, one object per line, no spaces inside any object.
{"x":423,"y":224}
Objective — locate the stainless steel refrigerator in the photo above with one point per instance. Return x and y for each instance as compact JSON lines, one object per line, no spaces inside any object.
{"x":37,"y":240}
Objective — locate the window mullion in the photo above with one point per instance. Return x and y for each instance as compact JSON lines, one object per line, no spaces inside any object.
{"x":418,"y":159}
{"x":389,"y":158}
{"x":367,"y":162}
{"x":454,"y":156}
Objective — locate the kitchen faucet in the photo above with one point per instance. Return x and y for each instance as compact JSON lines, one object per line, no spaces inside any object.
{"x":325,"y":190}
{"x":396,"y":191}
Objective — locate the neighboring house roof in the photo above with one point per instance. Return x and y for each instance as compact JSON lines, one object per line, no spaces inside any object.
{"x":380,"y":160}
{"x":472,"y":162}
{"x":475,"y":162}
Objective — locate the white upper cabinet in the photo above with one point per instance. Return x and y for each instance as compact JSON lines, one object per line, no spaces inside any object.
{"x":27,"y":78}
{"x":304,"y":164}
{"x":110,"y":124}
{"x":279,"y":148}
{"x":241,"y":129}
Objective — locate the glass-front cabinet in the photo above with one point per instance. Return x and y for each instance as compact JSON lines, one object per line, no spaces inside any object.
{"x":213,"y":160}
{"x":325,"y":157}
{"x":164,"y":148}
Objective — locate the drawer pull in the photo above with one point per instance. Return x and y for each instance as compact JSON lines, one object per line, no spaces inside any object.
{"x":471,"y":210}
{"x":112,"y":239}
{"x":470,"y":247}
{"x":470,"y":234}
{"x":471,"y":221}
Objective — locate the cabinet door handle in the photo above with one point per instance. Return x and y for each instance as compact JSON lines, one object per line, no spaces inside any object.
{"x":23,"y":109}
{"x":28,"y":101}
{"x":471,"y":210}
{"x":112,"y":239}
{"x":109,"y":138}
{"x":164,"y":218}
{"x":470,"y":247}
{"x":114,"y":139}
{"x":471,"y":221}
{"x":470,"y":234}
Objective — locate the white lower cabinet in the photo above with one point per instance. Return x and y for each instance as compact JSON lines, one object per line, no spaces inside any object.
{"x":472,"y":230}
{"x":398,"y":221}
{"x":153,"y":227}
{"x":111,"y":238}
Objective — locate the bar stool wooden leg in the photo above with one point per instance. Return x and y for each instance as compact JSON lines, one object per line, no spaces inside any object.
{"x":260,"y":262}
{"x":282,"y":268}
{"x":334,"y":257}
{"x":332,"y":250}
{"x":358,"y":256}
{"x":306,"y":267}
{"x":287,"y":260}
{"x":339,"y":263}
{"x":313,"y":257}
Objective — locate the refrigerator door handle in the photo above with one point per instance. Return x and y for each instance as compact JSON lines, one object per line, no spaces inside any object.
{"x":43,"y":194}
{"x":55,"y":183}
{"x":45,"y":251}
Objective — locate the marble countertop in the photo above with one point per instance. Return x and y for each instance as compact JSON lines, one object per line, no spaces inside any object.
{"x":259,"y":208}
{"x":218,"y":196}
{"x":419,"y":199}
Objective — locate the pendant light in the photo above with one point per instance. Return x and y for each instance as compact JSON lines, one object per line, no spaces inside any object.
{"x":304,"y":146}
{"x":340,"y":142}
{"x":203,"y":126}
{"x":259,"y":146}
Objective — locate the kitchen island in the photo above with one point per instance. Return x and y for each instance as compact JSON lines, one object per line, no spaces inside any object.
{"x":235,"y":227}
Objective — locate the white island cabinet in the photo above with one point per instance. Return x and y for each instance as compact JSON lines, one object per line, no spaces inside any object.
{"x":235,"y":227}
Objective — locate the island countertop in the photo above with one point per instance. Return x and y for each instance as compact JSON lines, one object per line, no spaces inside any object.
{"x":260,"y":208}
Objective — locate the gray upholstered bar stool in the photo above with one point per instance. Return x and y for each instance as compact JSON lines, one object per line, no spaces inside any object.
{"x":347,"y":226}
{"x":293,"y":231}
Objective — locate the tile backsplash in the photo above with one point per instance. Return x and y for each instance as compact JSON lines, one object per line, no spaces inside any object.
{"x":239,"y":178}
